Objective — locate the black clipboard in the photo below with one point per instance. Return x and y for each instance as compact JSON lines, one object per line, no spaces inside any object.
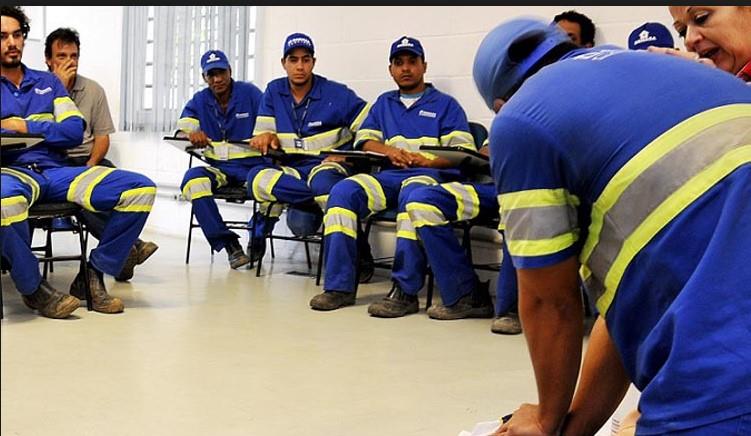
{"x":459,"y":156}
{"x":360,"y":157}
{"x":19,"y":141}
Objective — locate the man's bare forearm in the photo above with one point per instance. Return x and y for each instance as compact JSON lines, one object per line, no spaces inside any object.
{"x":99,"y":150}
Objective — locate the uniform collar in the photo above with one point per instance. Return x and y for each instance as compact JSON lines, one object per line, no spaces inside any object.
{"x":315,"y":91}
{"x":30,"y":77}
{"x":426,"y":95}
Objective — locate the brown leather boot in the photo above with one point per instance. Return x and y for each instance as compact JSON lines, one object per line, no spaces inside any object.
{"x":51,"y":302}
{"x":102,"y":301}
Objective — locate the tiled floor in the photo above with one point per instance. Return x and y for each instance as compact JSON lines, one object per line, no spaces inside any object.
{"x":205,"y":350}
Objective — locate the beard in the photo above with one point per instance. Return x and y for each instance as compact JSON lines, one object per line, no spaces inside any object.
{"x":11,"y":64}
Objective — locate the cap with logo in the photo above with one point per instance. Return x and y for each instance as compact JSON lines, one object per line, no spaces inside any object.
{"x":214,"y":59}
{"x":650,"y":34}
{"x":406,"y":44}
{"x":296,"y":40}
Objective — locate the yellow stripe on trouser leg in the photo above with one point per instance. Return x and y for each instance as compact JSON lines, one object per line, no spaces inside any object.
{"x":276,"y":209}
{"x":13,"y":210}
{"x":24,"y":178}
{"x":83,"y":185}
{"x":221,"y":178}
{"x":264,"y":183}
{"x":340,"y":220}
{"x":322,"y":200}
{"x":373,"y":190}
{"x":292,"y":172}
{"x":404,"y":227}
{"x":136,"y":200}
{"x":197,"y":188}
{"x":467,"y":200}
{"x":423,"y":214}
{"x":425,"y":180}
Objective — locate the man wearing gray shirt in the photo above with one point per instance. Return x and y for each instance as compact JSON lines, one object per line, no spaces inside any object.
{"x":61,"y":52}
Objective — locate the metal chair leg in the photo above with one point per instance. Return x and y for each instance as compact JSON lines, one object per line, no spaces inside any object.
{"x":84,"y":266}
{"x":320,"y":259}
{"x":429,"y":301}
{"x":307,"y":256}
{"x":190,"y":234}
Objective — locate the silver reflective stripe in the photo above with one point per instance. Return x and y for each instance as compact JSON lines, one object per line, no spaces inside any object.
{"x":24,"y":178}
{"x":654,"y":185}
{"x":458,"y":138}
{"x":425,"y":180}
{"x":368,"y":135}
{"x":291,"y":172}
{"x":264,"y":125}
{"x":412,"y":144}
{"x":188,"y":125}
{"x":221,"y":178}
{"x":404,"y":227}
{"x":276,"y":209}
{"x":338,"y":219}
{"x":82,"y":187}
{"x":467,"y":200}
{"x":263,"y":184}
{"x":197,"y":188}
{"x":535,"y":223}
{"x":64,"y":108}
{"x":137,"y":200}
{"x":14,"y":209}
{"x":423,"y":214}
{"x":373,"y":189}
{"x":325,"y":167}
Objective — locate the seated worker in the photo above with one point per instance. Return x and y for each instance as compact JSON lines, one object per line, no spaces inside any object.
{"x":653,"y":211}
{"x":650,"y":35}
{"x":578,"y":27}
{"x":225,"y":111}
{"x":301,"y":114}
{"x":62,"y":51}
{"x":36,"y":102}
{"x":399,"y":123}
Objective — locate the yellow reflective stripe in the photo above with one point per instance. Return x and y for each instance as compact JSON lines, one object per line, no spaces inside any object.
{"x":465,"y":195}
{"x":325,"y":166}
{"x":221,"y":178}
{"x":654,"y":151}
{"x":458,"y":138}
{"x":197,"y":188}
{"x":13,"y":210}
{"x":41,"y":117}
{"x":276,"y":209}
{"x":537,"y":198}
{"x":541,"y":247}
{"x":340,"y":220}
{"x":65,"y":108}
{"x":264,"y":182}
{"x":264,"y":125}
{"x":425,"y":180}
{"x":423,"y":214}
{"x":373,"y":189}
{"x":411,"y":144}
{"x":290,"y":171}
{"x":404,"y":227}
{"x":234,"y":151}
{"x":369,"y":135}
{"x":87,"y":180}
{"x":136,"y":200}
{"x":322,"y":200}
{"x":188,"y":124}
{"x":24,"y":178}
{"x":313,"y":144}
{"x":355,"y":126}
{"x":666,"y":212}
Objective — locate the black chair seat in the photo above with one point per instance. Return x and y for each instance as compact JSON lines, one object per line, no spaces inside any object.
{"x":232,"y":193}
{"x":53,"y":210}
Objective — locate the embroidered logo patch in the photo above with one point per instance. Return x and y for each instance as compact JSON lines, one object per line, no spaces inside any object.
{"x":423,"y":113}
{"x":42,"y":91}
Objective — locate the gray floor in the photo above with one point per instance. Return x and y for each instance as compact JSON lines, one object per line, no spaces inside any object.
{"x":205,"y":350}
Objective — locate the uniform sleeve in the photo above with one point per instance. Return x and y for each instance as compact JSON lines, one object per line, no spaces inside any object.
{"x":189,"y":119}
{"x":67,"y":128}
{"x":539,"y":211}
{"x":266,"y":120}
{"x":455,"y":128}
{"x":101,"y":119}
{"x":371,"y":128}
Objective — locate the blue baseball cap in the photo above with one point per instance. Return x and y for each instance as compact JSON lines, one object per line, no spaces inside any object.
{"x":650,"y":34}
{"x":296,"y":40}
{"x":405,"y":43}
{"x":213,"y":59}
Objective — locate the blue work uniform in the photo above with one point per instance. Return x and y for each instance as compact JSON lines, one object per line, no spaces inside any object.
{"x":434,"y":119}
{"x":228,"y":164}
{"x":640,"y":165}
{"x":325,"y":119}
{"x":39,"y":174}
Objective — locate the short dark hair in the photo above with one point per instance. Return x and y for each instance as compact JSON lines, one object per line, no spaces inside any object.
{"x":65,"y":35}
{"x":17,"y":13}
{"x":586,"y":25}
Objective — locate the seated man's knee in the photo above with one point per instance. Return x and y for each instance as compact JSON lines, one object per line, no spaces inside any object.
{"x":193,"y":173}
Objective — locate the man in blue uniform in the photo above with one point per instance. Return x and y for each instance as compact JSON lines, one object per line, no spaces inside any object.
{"x":225,"y":111}
{"x":301,"y":114}
{"x":613,"y":161}
{"x":36,"y":102}
{"x":398,"y":124}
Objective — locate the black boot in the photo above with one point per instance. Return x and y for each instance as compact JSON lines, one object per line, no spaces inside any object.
{"x":51,"y":302}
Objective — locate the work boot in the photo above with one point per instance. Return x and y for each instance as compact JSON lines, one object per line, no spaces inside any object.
{"x":330,"y":300}
{"x":50,"y":302}
{"x":139,"y":252}
{"x":476,"y":304}
{"x":507,"y":324}
{"x":235,"y":254}
{"x":395,"y":304}
{"x":102,"y":301}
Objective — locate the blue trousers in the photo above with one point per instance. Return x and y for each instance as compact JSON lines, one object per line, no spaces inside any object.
{"x":431,"y":210}
{"x":127,"y":195}
{"x":361,"y":196}
{"x":302,"y":179}
{"x":198,"y":186}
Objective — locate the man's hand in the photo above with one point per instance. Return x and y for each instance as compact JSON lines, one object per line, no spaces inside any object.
{"x":66,"y":72}
{"x":264,"y":142}
{"x":524,"y":422}
{"x":199,"y":139}
{"x":15,"y":124}
{"x":688,"y":55}
{"x":398,"y":157}
{"x":420,"y":161}
{"x":485,"y":150}
{"x":333,"y":158}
